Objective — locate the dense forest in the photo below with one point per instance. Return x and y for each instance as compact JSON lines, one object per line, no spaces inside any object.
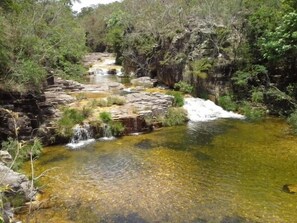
{"x":38,"y":39}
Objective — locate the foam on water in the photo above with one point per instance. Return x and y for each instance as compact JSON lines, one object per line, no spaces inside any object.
{"x":80,"y":144}
{"x":200,"y":110}
{"x":82,"y":136}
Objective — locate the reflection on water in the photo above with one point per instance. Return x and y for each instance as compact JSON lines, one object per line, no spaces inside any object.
{"x":221,"y":171}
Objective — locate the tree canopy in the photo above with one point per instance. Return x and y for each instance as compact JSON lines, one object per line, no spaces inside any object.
{"x":38,"y":38}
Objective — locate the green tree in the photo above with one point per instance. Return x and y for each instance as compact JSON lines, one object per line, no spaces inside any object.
{"x":281,"y":44}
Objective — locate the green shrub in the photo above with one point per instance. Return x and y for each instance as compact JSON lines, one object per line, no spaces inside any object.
{"x":86,"y":112}
{"x":117,"y":128}
{"x":20,"y":152}
{"x":30,"y":73}
{"x":178,"y":100}
{"x":251,"y":112}
{"x":183,"y":87}
{"x":201,"y":67}
{"x":252,"y":73}
{"x":257,"y":96}
{"x":105,"y":117}
{"x":175,"y":116}
{"x":227,"y":103}
{"x":292,"y":120}
{"x":115,"y":100}
{"x":69,"y":119}
{"x":102,"y":103}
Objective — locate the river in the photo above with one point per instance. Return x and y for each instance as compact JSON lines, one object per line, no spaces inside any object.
{"x":217,"y":171}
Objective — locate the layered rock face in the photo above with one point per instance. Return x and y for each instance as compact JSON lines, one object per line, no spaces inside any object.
{"x":21,"y":114}
{"x":202,"y":55}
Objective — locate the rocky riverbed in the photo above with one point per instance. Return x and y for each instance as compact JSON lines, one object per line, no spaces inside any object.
{"x":25,"y":116}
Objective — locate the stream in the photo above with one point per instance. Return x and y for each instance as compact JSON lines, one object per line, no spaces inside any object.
{"x":218,"y":171}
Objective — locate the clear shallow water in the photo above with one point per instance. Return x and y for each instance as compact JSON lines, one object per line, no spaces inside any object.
{"x":218,"y":171}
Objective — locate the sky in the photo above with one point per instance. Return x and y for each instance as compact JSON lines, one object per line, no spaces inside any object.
{"x":84,"y":3}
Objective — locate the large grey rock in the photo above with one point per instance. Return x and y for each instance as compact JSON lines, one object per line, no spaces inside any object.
{"x":16,"y":182}
{"x":5,"y":157}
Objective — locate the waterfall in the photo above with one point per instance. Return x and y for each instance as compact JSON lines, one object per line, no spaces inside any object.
{"x":200,"y":110}
{"x":82,"y":136}
{"x":107,"y":134}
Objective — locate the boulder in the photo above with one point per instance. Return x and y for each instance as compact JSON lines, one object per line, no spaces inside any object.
{"x":17,"y":184}
{"x":290,"y":188}
{"x":5,"y":157}
{"x":145,"y":82}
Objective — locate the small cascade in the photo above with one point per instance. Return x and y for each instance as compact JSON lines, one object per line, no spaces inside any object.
{"x":82,"y":136}
{"x":200,"y":110}
{"x":107,"y":134}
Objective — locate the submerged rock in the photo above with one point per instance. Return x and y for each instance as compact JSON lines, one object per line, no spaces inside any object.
{"x":145,"y":144}
{"x":290,"y":188}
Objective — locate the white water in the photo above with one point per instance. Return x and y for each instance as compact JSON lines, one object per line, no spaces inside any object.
{"x":200,"y":110}
{"x":82,"y":136}
{"x":107,"y":134}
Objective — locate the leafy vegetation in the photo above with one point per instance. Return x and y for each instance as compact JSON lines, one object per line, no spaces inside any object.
{"x":117,"y":128}
{"x":201,"y":67}
{"x":115,"y":100}
{"x":69,"y":119}
{"x":292,"y":120}
{"x":175,"y":116}
{"x":38,"y":38}
{"x":21,"y":152}
{"x":251,"y":111}
{"x":227,"y":102}
{"x":178,"y":99}
{"x":105,"y":117}
{"x":183,"y":87}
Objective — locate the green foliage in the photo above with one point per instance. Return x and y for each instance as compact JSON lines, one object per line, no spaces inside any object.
{"x":252,"y":112}
{"x":69,"y":119}
{"x":292,"y":89}
{"x":43,"y":37}
{"x":29,"y":72}
{"x":115,"y":100}
{"x":227,"y":103}
{"x":86,"y":112}
{"x":21,"y":152}
{"x":175,"y":116}
{"x":292,"y":120}
{"x":142,"y":42}
{"x":201,"y":67}
{"x":282,"y":42}
{"x":257,"y":95}
{"x":105,"y":117}
{"x":117,"y":128}
{"x":250,"y":74}
{"x":278,"y":95}
{"x":183,"y":87}
{"x":178,"y":99}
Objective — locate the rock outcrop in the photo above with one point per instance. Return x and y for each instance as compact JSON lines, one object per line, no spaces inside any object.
{"x":16,"y":188}
{"x":201,"y":55}
{"x":140,"y":107}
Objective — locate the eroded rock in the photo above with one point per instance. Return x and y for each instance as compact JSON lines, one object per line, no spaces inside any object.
{"x":290,"y":188}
